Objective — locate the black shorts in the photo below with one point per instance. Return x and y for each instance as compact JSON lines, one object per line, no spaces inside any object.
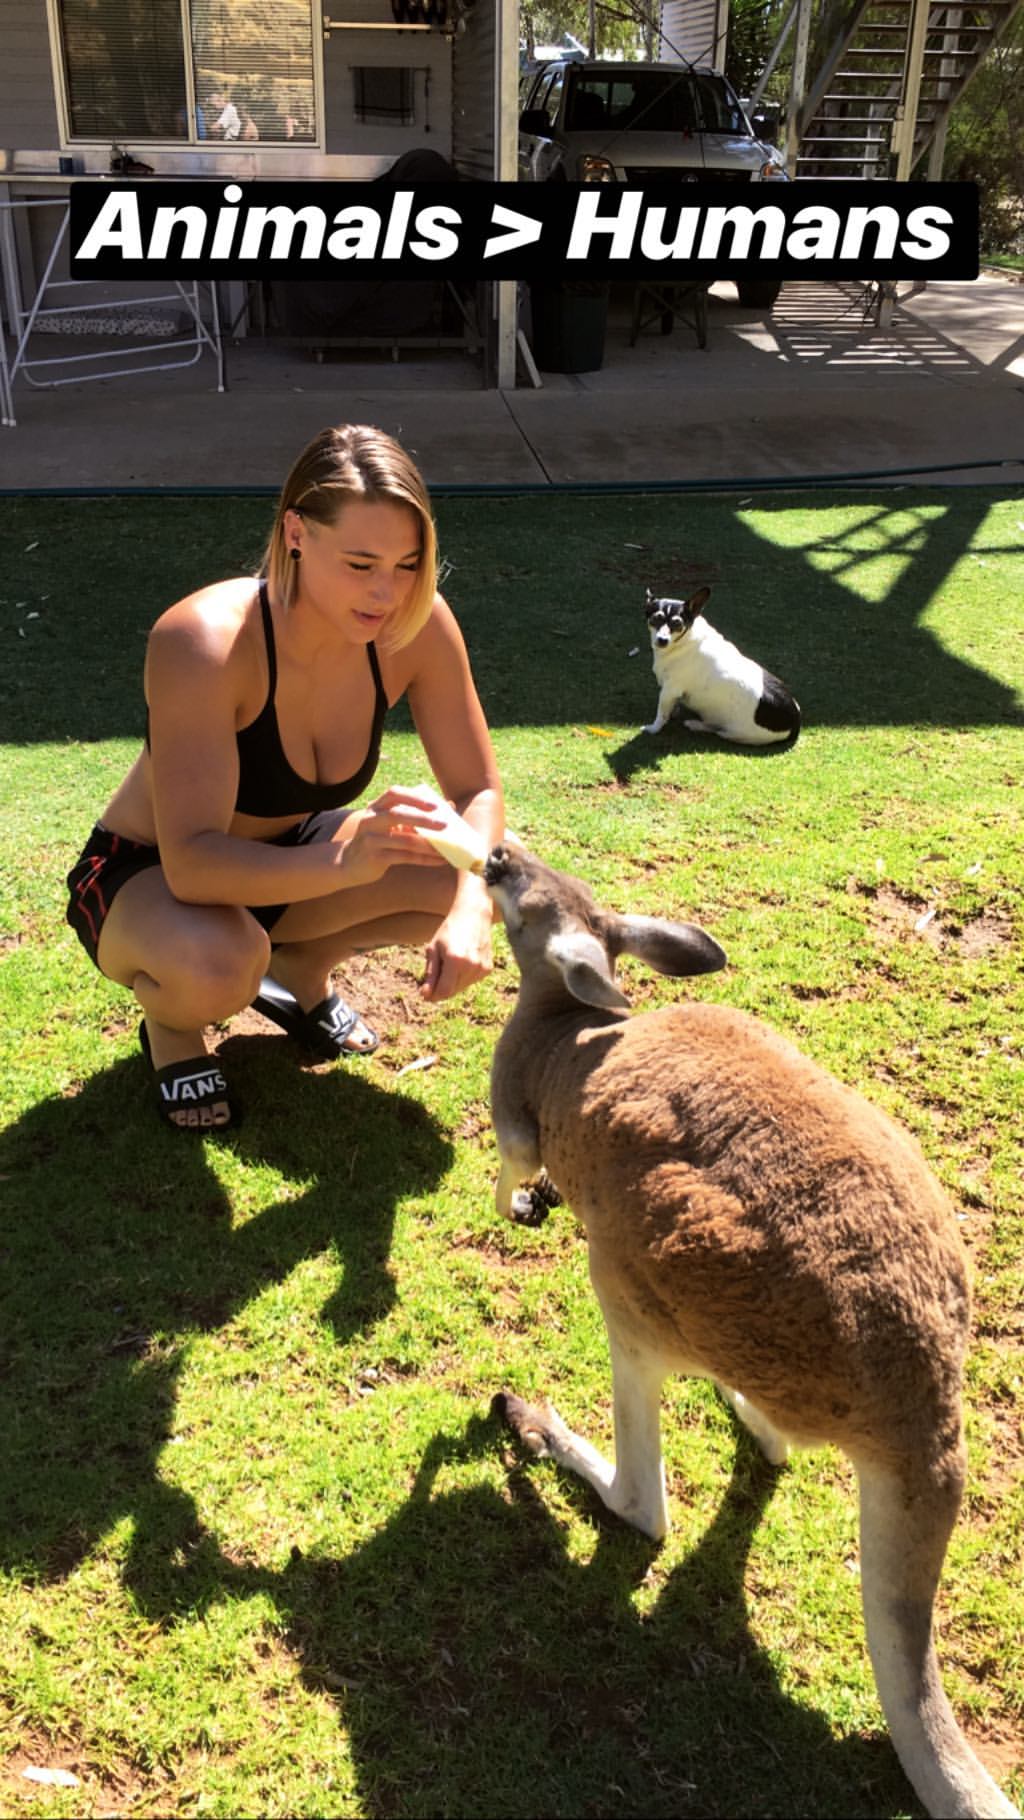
{"x":109,"y":860}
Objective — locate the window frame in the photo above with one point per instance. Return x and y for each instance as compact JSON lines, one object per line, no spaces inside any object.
{"x":204,"y":147}
{"x":551,"y":85}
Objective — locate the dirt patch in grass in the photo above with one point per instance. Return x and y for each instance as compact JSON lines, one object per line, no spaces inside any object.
{"x":30,"y":929}
{"x":985,"y":935}
{"x":116,"y":1027}
{"x":1007,"y":1456}
{"x":668,"y":579}
{"x":475,"y":1123}
{"x":897,"y":915}
{"x":998,"y":1746}
{"x":384,"y":989}
{"x":500,"y":1261}
{"x":108,"y":1790}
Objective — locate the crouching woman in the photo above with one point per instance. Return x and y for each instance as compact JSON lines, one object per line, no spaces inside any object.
{"x":229,"y":868}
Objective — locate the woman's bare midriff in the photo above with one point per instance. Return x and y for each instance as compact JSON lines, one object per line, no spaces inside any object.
{"x":130,"y":812}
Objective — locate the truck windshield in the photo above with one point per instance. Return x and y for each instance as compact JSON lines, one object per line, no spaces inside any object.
{"x":652,"y":101}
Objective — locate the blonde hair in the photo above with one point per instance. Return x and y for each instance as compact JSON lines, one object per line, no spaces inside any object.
{"x":356,"y":462}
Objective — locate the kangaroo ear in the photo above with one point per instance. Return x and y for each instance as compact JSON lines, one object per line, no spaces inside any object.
{"x":583,"y":964}
{"x":673,"y":948}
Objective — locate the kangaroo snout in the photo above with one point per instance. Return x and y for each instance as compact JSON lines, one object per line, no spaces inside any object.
{"x":496,"y":864}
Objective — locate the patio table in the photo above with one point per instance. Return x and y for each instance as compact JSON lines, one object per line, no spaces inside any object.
{"x":26,"y":314}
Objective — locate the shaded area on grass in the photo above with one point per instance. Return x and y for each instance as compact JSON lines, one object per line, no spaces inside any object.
{"x":118,"y":1243}
{"x":558,"y":1696}
{"x":549,"y":592}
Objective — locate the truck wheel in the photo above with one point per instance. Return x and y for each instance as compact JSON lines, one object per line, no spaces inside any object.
{"x":758,"y":293}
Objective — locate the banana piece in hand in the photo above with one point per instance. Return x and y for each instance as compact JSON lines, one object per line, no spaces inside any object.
{"x":458,"y":843}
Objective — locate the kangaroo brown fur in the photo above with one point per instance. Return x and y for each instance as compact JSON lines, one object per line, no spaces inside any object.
{"x":749,"y":1219}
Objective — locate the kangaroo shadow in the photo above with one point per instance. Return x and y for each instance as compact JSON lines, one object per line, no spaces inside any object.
{"x":102,"y":1294}
{"x":478,"y":1669}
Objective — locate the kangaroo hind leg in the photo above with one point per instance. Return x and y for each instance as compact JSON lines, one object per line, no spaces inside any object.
{"x":634,"y":1488}
{"x":771,"y":1441}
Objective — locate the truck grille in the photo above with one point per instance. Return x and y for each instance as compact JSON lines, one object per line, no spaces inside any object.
{"x":664,"y":173}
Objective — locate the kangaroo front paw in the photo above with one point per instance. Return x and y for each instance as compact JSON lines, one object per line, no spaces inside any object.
{"x":529,"y":1207}
{"x":532,"y":1203}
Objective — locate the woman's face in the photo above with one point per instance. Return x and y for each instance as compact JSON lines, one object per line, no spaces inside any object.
{"x":359,"y":570}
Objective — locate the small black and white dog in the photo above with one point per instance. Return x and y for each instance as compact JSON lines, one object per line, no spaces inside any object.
{"x":720,"y":690}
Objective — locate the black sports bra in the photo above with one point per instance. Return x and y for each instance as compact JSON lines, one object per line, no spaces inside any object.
{"x":267,"y":785}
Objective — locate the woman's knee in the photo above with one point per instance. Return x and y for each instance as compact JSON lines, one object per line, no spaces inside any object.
{"x":219,"y":960}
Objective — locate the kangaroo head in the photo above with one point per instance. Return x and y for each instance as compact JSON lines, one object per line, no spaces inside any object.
{"x":556,"y":929}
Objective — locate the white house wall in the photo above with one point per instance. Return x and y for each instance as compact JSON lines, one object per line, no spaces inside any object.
{"x":455,"y":114}
{"x":28,"y":111}
{"x":29,"y":121}
{"x":694,"y":31}
{"x":427,"y":54}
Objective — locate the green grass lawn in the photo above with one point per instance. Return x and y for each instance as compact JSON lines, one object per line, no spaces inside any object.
{"x":263,"y":1551}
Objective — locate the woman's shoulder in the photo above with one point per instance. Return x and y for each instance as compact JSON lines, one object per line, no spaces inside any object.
{"x":211,"y":621}
{"x":433,"y":643}
{"x":209,"y":643}
{"x":439,"y":629}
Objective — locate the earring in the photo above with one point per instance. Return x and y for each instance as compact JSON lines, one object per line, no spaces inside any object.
{"x":295,"y":553}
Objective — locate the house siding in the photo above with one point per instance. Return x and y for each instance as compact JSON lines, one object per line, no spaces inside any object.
{"x":28,"y":110}
{"x":694,"y":31}
{"x":427,"y":54}
{"x":473,"y":94}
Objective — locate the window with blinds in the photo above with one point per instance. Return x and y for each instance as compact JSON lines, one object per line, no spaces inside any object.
{"x":127,"y":67}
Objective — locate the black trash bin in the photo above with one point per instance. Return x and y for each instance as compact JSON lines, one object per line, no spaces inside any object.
{"x":569,"y":322}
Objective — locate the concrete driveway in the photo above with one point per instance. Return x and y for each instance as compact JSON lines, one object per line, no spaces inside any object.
{"x":814,"y":392}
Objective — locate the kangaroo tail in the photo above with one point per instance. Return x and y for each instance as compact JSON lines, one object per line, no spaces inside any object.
{"x":905,"y":1523}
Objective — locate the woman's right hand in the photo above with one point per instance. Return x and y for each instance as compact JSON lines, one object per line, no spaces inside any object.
{"x":385,"y":834}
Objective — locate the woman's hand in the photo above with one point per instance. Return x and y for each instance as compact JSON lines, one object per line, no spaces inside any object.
{"x":385,"y":834}
{"x":460,"y":953}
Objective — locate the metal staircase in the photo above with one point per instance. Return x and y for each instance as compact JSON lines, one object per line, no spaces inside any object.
{"x":882,"y":76}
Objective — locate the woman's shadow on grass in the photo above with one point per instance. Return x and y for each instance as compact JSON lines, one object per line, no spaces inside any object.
{"x":118,"y":1244}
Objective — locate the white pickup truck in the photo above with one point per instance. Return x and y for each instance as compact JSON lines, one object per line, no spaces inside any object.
{"x":643,"y":123}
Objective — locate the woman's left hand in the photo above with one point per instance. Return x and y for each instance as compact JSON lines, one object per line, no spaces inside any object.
{"x":460,"y":953}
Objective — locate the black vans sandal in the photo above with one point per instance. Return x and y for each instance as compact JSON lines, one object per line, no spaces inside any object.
{"x":323,"y":1030}
{"x":191,"y":1095}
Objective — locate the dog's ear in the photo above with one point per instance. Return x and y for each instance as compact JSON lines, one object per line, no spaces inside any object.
{"x":696,"y":604}
{"x":651,"y":602}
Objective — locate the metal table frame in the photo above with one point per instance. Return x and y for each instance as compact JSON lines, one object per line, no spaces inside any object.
{"x":667,"y":304}
{"x":107,"y":363}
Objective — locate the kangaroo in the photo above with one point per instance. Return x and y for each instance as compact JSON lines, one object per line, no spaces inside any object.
{"x":751,"y":1220}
